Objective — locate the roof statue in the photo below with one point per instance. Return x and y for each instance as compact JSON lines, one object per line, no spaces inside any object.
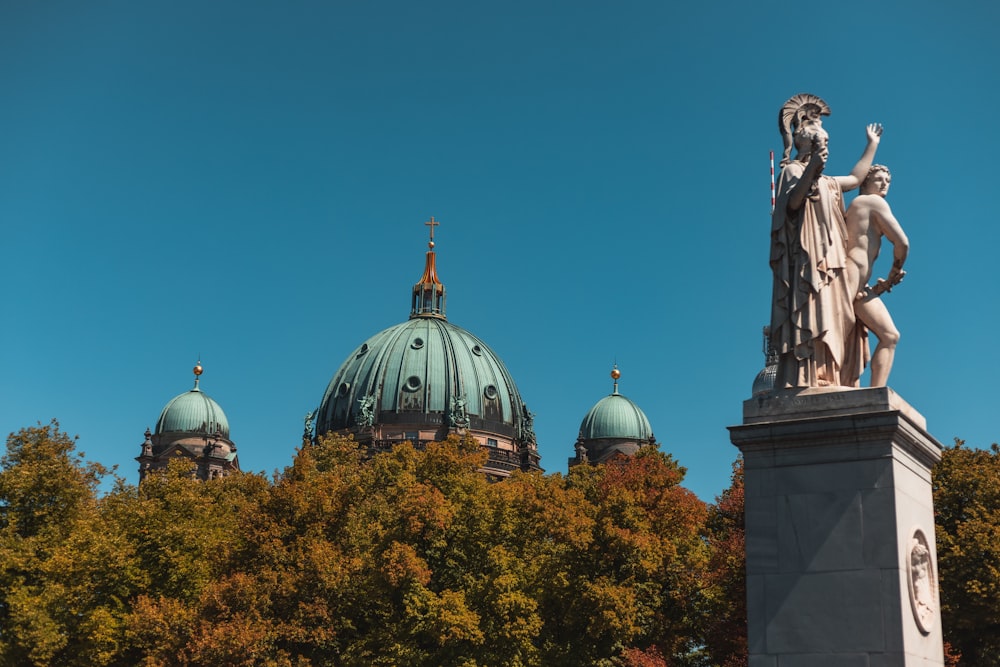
{"x":308,"y":425}
{"x":814,"y":330}
{"x":457,"y":416}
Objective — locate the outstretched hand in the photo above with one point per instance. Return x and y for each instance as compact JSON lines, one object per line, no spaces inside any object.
{"x":874,"y":132}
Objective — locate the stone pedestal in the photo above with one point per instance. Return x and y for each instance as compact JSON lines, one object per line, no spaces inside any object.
{"x":841,"y":562}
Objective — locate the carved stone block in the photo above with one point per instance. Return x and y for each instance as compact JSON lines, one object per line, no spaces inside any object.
{"x":841,"y":563}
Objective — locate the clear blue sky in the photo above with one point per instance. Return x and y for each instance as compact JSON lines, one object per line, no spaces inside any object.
{"x":248,"y":181}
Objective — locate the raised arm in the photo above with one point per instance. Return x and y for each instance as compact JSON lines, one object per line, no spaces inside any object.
{"x":860,"y":171}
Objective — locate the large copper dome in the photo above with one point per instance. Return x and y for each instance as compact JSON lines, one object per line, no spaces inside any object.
{"x":426,"y":378}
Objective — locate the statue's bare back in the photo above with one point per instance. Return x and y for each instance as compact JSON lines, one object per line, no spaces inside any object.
{"x":864,"y":240}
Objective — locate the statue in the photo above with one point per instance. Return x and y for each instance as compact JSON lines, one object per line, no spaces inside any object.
{"x":869,"y":218}
{"x":366,"y":416}
{"x":812,"y":306}
{"x":458,"y":416}
{"x":528,"y":438}
{"x":308,"y":424}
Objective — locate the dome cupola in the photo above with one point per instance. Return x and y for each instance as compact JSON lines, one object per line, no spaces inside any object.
{"x":194,"y":426}
{"x":193,"y":412}
{"x":426,"y":378}
{"x":428,"y":293}
{"x":764,"y":382}
{"x":613,"y":425}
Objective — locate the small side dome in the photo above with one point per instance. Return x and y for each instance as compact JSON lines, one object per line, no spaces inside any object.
{"x":615,"y":425}
{"x":193,"y":412}
{"x":615,"y":416}
{"x":764,"y":382}
{"x":191,"y":426}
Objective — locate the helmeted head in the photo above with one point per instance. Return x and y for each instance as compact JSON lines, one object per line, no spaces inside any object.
{"x":810,"y":135}
{"x":800,"y":121}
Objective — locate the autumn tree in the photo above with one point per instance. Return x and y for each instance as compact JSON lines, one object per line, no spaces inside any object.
{"x":184,"y":534}
{"x":726,"y":623}
{"x":340,"y":570}
{"x":413,"y":557}
{"x":647,"y":561}
{"x":64,"y":576}
{"x":406,"y":557}
{"x":967,"y":517}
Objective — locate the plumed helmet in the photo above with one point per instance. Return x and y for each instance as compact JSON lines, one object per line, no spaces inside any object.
{"x":799,"y":108}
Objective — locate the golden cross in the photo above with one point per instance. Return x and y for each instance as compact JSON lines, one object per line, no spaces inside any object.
{"x":432,"y":223}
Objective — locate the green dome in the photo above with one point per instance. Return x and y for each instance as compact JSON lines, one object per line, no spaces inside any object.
{"x":193,"y":412}
{"x":615,"y":416}
{"x":426,"y":379}
{"x":418,"y":371}
{"x":764,"y":382}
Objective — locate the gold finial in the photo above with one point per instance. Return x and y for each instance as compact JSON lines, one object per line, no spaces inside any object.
{"x":432,"y":223}
{"x":615,"y":374}
{"x":197,"y":370}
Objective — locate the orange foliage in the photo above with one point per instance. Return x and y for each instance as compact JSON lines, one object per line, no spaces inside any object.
{"x":651,"y":657}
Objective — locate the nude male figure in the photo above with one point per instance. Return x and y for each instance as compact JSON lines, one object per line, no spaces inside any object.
{"x":869,"y":218}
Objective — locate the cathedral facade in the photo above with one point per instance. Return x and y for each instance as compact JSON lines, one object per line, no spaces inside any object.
{"x":421,"y":380}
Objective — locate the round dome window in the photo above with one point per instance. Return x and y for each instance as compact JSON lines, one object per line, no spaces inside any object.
{"x":417,"y":343}
{"x":412,"y":383}
{"x":476,"y":350}
{"x":363,"y":350}
{"x":343,"y":388}
{"x":490,"y":392}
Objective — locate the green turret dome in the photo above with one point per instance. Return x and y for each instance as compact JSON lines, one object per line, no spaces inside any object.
{"x":615,"y":416}
{"x":193,"y":412}
{"x":424,"y":379}
{"x":764,"y":382}
{"x":192,"y":426}
{"x":615,"y":425}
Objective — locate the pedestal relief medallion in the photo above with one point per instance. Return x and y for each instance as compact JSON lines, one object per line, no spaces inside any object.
{"x":922,"y":581}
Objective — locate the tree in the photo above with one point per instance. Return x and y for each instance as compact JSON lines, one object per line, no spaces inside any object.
{"x":341,"y":574}
{"x":184,"y":533}
{"x":413,"y":557}
{"x":646,"y":563}
{"x":64,"y":576}
{"x":726,"y":624}
{"x":966,"y":486}
{"x":408,"y":557}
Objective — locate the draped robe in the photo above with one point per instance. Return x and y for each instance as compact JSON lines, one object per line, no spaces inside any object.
{"x":812,"y":313}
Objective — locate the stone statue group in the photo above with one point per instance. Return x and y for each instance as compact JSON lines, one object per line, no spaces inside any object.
{"x":822,"y":258}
